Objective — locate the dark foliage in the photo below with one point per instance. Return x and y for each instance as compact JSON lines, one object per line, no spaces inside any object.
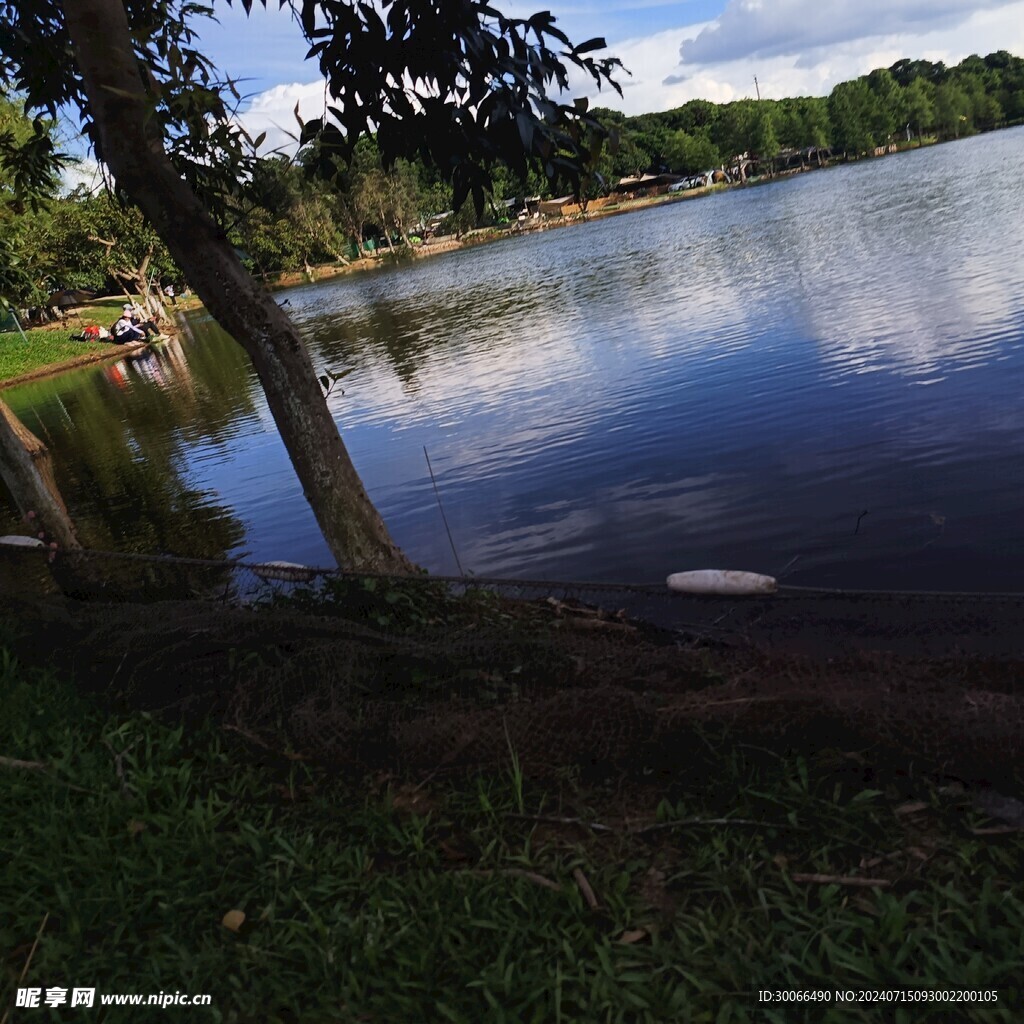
{"x":457,"y":84}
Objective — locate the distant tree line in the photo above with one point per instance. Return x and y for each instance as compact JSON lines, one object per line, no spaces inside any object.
{"x":914,"y":98}
{"x":285,"y":218}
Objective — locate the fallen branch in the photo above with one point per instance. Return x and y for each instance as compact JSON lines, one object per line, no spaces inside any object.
{"x":711,"y":822}
{"x":13,"y":762}
{"x":530,"y":876}
{"x":724,"y":703}
{"x":39,"y":766}
{"x":551,"y":819}
{"x":852,"y":880}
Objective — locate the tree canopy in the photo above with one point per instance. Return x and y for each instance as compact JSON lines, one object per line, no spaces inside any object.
{"x":458,"y":85}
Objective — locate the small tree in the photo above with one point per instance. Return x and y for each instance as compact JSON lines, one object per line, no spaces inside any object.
{"x":764,"y":141}
{"x":919,"y":106}
{"x":888,"y":112}
{"x":952,"y":110}
{"x":851,"y":108}
{"x":691,"y":154}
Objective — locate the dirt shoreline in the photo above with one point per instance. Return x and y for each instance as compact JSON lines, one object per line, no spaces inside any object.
{"x":482,"y":236}
{"x":611,"y":690}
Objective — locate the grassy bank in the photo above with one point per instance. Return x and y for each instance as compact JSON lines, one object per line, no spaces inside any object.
{"x":50,"y":349}
{"x":652,"y":897}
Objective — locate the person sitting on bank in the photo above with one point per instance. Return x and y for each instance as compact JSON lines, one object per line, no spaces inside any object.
{"x":124,"y":330}
{"x":132,"y":326}
{"x":140,"y":321}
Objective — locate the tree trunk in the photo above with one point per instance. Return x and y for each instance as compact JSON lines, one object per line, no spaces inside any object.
{"x":26,"y":469}
{"x":352,"y":527}
{"x":387,"y":230}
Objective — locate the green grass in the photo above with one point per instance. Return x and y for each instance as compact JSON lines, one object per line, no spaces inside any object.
{"x":43,"y":347}
{"x":387,"y":901}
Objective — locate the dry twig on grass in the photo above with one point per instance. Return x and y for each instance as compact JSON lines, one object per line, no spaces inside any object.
{"x":714,"y":822}
{"x":530,"y":876}
{"x":585,"y":888}
{"x":39,"y":766}
{"x":851,"y":880}
{"x":552,"y":819}
{"x":14,"y":762}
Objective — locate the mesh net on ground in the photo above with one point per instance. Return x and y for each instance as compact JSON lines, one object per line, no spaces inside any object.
{"x":424,"y":674}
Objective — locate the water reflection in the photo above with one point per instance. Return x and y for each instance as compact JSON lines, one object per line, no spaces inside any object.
{"x":731,"y":381}
{"x":122,"y":436}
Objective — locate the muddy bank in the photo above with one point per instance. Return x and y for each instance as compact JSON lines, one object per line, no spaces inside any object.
{"x":564,"y":688}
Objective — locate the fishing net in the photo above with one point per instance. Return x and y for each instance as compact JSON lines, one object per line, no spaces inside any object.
{"x":417,"y":674}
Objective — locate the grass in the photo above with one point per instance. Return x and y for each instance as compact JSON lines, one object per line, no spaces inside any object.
{"x":389,"y":900}
{"x":50,"y":346}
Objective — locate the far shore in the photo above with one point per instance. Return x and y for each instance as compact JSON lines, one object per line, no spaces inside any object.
{"x":384,"y":257}
{"x":481,"y":236}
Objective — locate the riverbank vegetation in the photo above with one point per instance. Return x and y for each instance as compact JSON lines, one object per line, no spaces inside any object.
{"x":911,"y":100}
{"x":50,"y":347}
{"x":44,"y":350}
{"x":150,"y":854}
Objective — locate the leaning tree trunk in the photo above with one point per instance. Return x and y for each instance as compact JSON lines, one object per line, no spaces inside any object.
{"x":386,"y":230}
{"x":135,"y":153}
{"x":26,"y":469}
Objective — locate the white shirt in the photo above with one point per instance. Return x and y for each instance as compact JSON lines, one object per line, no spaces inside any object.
{"x":123,"y":325}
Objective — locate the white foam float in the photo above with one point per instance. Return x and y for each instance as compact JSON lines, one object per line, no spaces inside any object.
{"x":18,"y":541}
{"x":289,"y":572}
{"x":728,"y":582}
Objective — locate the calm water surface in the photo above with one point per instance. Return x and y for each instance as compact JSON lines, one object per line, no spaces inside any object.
{"x":726,"y":382}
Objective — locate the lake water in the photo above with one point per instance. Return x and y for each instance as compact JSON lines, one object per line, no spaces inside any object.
{"x":731,"y":381}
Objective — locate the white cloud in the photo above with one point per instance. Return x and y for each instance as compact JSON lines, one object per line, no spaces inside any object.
{"x":85,"y":171}
{"x":770,"y":28}
{"x":800,"y":67}
{"x":273,"y":112}
{"x":651,"y":60}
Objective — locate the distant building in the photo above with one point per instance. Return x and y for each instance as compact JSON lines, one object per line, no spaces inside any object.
{"x":569,"y":206}
{"x":647,"y":184}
